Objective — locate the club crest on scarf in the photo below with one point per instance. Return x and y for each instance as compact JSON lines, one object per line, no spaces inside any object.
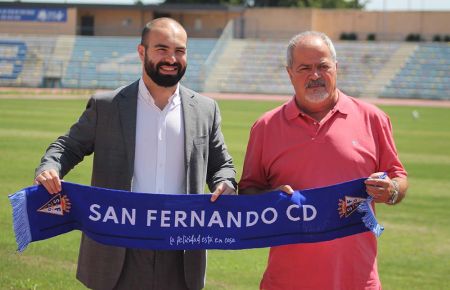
{"x":349,"y":205}
{"x":58,"y":205}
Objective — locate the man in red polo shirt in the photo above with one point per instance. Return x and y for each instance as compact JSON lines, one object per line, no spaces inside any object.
{"x":318,"y":138}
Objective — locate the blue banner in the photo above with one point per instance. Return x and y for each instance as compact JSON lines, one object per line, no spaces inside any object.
{"x":180,"y":221}
{"x":33,"y":14}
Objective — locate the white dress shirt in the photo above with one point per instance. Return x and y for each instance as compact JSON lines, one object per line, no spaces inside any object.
{"x":159,"y":165}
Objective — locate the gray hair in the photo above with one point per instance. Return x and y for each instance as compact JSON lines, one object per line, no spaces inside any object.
{"x":299,"y":37}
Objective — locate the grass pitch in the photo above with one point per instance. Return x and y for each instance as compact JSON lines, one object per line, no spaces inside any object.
{"x":414,"y":250}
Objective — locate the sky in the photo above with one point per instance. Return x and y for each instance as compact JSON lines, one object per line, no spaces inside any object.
{"x":438,"y":5}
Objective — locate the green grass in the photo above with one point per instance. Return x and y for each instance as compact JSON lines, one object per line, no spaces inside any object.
{"x":414,"y":250}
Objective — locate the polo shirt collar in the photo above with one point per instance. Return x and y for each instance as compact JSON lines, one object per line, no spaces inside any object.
{"x":292,"y":111}
{"x":343,"y":103}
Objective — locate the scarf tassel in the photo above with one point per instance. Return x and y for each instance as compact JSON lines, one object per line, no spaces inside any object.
{"x":20,"y":219}
{"x":368,"y":218}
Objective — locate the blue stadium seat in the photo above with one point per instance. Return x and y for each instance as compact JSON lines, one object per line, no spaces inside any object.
{"x":426,"y":74}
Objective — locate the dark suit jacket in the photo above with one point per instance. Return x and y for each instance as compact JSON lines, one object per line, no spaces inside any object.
{"x":107,"y":128}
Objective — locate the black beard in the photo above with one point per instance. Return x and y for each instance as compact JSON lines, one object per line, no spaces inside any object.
{"x":162,"y":80}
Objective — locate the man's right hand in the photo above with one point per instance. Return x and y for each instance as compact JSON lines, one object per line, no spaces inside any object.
{"x":50,"y":180}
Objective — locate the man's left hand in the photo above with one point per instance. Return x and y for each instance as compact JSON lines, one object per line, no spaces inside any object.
{"x":224,"y":189}
{"x":380,"y":189}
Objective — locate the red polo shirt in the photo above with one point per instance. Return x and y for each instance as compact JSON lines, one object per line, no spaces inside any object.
{"x":286,"y":146}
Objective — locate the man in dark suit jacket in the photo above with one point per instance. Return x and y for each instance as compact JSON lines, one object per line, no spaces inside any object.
{"x":116,"y":127}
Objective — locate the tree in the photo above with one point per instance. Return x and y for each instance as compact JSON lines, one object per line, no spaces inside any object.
{"x":231,"y":2}
{"x":358,"y":4}
{"x":331,"y":4}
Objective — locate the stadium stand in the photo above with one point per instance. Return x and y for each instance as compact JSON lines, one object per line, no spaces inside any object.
{"x":425,"y":74}
{"x":250,"y":66}
{"x":386,"y":69}
{"x":24,"y":58}
{"x":12,"y":57}
{"x":360,"y":63}
{"x":111,"y":62}
{"x":83,"y":61}
{"x":198,"y":51}
{"x":255,"y":66}
{"x":102,"y":62}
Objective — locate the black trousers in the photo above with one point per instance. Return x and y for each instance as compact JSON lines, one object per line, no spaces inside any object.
{"x":152,"y":270}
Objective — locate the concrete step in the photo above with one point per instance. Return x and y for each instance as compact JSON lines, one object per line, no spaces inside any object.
{"x":226,"y":64}
{"x":376,"y":86}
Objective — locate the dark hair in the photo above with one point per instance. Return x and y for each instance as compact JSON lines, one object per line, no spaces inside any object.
{"x":149,"y":26}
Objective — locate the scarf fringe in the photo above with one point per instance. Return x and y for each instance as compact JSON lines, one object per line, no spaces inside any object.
{"x":21,"y":225}
{"x":369,"y":219}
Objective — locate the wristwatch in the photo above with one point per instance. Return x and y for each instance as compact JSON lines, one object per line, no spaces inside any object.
{"x":394,"y":194}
